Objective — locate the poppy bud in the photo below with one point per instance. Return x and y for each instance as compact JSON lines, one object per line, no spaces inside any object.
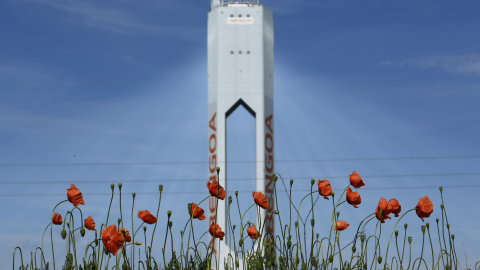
{"x":437,"y":220}
{"x":236,"y":193}
{"x":190,"y":208}
{"x":120,"y":186}
{"x":112,"y":186}
{"x":138,"y":243}
{"x":453,"y":236}
{"x":441,"y":206}
{"x":240,"y":243}
{"x":70,"y":257}
{"x":237,"y":263}
{"x":169,"y":213}
{"x":82,"y":232}
{"x":124,"y":266}
{"x":312,"y":182}
{"x":291,"y":182}
{"x":405,"y":225}
{"x":230,"y":200}
{"x":448,"y":226}
{"x":233,"y":227}
{"x":68,"y":224}
{"x":289,"y":244}
{"x":447,"y":267}
{"x":338,"y":214}
{"x":296,"y":224}
{"x":423,"y":229}
{"x":160,"y":188}
{"x":145,"y":228}
{"x":304,"y":266}
{"x":362,"y":238}
{"x":64,"y":234}
{"x":105,"y":250}
{"x":133,"y":194}
{"x":170,"y":224}
{"x":312,"y":221}
{"x":330,"y":259}
{"x":274,"y":177}
{"x":276,"y":212}
{"x":440,"y":188}
{"x":318,"y":235}
{"x":354,"y":249}
{"x":248,"y":222}
{"x":409,"y":239}
{"x":427,"y":225}
{"x":218,"y":169}
{"x":396,"y":233}
{"x":119,"y":220}
{"x":379,"y":259}
{"x":333,"y":193}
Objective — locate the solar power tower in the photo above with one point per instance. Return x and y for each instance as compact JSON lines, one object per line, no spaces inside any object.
{"x":240,"y":73}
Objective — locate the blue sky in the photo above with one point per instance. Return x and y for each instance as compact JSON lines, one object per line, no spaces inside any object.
{"x":98,"y":92}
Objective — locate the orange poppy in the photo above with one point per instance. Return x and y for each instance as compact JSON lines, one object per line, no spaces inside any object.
{"x":89,"y":223}
{"x":146,"y":216}
{"x":395,"y":207}
{"x":112,"y":239}
{"x":252,"y":231}
{"x":216,"y":190}
{"x":353,"y":198}
{"x":324,"y":188}
{"x":355,"y":180}
{"x":260,"y":199}
{"x":127,"y":234}
{"x":341,"y":225}
{"x":74,"y":195}
{"x":386,"y":210}
{"x":196,"y":212}
{"x":57,"y":219}
{"x":217,"y":230}
{"x":424,"y":207}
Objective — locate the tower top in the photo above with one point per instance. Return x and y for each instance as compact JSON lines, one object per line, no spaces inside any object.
{"x":220,"y":3}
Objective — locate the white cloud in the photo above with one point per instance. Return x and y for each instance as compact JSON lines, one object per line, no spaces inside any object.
{"x":127,"y":19}
{"x":462,"y":64}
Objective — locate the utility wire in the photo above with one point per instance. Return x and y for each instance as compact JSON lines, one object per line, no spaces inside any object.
{"x":229,"y":179}
{"x":238,"y":161}
{"x":249,"y":191}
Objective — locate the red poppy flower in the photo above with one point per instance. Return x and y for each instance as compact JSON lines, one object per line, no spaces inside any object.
{"x":218,"y":231}
{"x":341,"y":225}
{"x":386,"y":210}
{"x":353,"y":198}
{"x":424,"y":207}
{"x":324,"y":188}
{"x":216,"y":190}
{"x":57,"y":219}
{"x":146,"y":216}
{"x":252,"y":231}
{"x":74,"y":195}
{"x":112,"y":239}
{"x":89,"y":223}
{"x":196,"y":212}
{"x":395,"y":207}
{"x":260,"y":199}
{"x":127,"y":234}
{"x":355,"y":180}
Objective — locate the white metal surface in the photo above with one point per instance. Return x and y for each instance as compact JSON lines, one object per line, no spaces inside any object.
{"x":240,"y":72}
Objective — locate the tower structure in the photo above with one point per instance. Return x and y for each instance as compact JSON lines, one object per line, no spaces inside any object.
{"x":240,"y":73}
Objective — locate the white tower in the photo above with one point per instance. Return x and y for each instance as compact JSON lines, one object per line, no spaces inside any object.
{"x":240,"y":72}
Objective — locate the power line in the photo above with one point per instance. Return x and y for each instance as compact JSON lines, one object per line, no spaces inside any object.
{"x":238,"y":161}
{"x":249,"y":191}
{"x":230,"y":179}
